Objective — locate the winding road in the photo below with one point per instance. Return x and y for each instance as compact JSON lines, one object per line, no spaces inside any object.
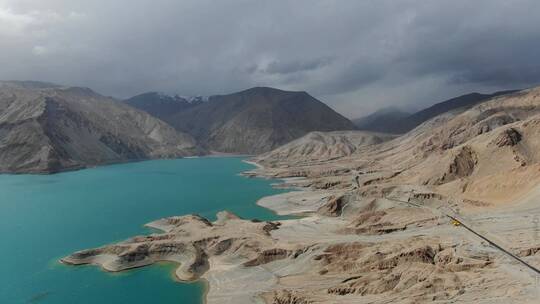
{"x":456,"y":218}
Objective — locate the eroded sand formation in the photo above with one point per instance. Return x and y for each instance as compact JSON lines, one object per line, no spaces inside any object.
{"x":376,"y":225}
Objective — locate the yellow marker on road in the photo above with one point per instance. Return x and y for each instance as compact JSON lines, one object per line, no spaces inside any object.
{"x":456,"y":223}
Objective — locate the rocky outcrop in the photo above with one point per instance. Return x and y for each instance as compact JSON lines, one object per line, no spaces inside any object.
{"x":377,"y":222}
{"x":493,"y":122}
{"x":529,"y":251}
{"x":508,"y":137}
{"x":461,"y":165}
{"x":191,"y":241}
{"x":334,"y":206}
{"x":268,"y":256}
{"x":288,"y":297}
{"x":399,"y":268}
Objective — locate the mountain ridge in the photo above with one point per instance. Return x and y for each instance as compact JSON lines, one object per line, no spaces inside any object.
{"x":400,"y":125}
{"x":381,"y":120}
{"x":53,"y":129}
{"x":160,"y":105}
{"x":254,"y":120}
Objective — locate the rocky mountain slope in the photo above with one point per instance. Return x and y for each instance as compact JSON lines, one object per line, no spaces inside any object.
{"x":480,"y":165}
{"x":397,"y":123}
{"x":322,"y":146}
{"x":47,"y":128}
{"x":460,"y":154}
{"x":255,"y":120}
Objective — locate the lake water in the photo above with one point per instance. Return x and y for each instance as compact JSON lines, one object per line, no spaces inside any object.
{"x":46,"y":217}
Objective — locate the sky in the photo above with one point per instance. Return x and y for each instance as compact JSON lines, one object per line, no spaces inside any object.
{"x":357,"y":56}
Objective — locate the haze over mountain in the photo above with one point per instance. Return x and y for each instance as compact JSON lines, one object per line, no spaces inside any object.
{"x":381,"y":120}
{"x":251,"y":121}
{"x":162,"y":105}
{"x":391,"y":120}
{"x":48,"y":128}
{"x":413,"y":51}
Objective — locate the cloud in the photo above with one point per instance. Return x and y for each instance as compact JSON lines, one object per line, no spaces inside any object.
{"x":21,"y":23}
{"x":39,"y":50}
{"x":355,"y":55}
{"x":295,"y":66}
{"x":11,"y":23}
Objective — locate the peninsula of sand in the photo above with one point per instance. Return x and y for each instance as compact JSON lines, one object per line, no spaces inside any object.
{"x":447,"y":213}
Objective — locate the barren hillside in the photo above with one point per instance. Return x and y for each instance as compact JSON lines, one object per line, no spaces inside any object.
{"x":50,"y":128}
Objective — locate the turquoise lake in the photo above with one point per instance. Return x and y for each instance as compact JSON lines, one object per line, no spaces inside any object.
{"x":45,"y":217}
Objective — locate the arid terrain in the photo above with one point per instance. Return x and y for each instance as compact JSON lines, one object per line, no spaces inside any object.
{"x":447,"y":213}
{"x":252,"y":121}
{"x":45,"y":128}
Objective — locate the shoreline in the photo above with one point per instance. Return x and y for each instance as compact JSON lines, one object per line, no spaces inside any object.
{"x":80,"y":167}
{"x":432,"y":216}
{"x":289,"y":190}
{"x":265,"y":260}
{"x":257,"y":165}
{"x":158,"y":227}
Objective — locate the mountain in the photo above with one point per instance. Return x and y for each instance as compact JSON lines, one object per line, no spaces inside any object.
{"x":478,"y":168}
{"x":382,"y":120}
{"x":392,"y":122}
{"x":162,"y":105}
{"x":322,"y":146}
{"x":486,"y":154}
{"x":391,"y":222}
{"x":48,"y":128}
{"x":255,"y":120}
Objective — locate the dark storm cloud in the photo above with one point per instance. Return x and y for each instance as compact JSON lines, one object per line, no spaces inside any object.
{"x":355,"y":55}
{"x":288,"y":67}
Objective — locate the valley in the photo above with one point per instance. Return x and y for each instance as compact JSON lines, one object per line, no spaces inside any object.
{"x":252,"y":121}
{"x":270,"y":152}
{"x":439,"y":214}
